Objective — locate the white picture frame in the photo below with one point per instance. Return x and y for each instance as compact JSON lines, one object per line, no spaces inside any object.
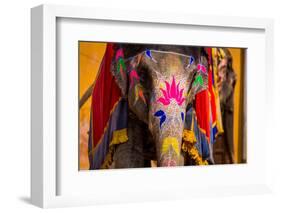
{"x":48,"y":168}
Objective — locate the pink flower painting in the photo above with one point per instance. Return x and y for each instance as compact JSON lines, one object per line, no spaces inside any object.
{"x":171,"y":92}
{"x":133,"y":77}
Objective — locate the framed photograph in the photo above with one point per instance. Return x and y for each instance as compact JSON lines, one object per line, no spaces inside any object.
{"x":129,"y":106}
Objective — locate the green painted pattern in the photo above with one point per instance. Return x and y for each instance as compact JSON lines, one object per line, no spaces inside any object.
{"x":120,"y":63}
{"x":198,"y":80}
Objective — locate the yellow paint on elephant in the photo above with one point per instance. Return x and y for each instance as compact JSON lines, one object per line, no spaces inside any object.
{"x":173,"y":142}
{"x":161,"y":85}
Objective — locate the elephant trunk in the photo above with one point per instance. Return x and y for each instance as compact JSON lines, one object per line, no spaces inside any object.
{"x":167,"y":126}
{"x":170,"y":152}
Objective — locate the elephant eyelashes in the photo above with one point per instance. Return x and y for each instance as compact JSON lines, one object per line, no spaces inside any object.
{"x":161,"y":114}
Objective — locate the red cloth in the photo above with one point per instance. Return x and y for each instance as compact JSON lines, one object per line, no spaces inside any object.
{"x":210,"y":86}
{"x":205,"y":105}
{"x":105,"y":95}
{"x":202,"y":109}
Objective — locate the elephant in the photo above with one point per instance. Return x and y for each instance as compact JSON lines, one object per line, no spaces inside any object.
{"x":159,"y":83}
{"x":226,"y":84}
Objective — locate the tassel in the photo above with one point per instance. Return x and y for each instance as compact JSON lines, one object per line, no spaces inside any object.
{"x":188,"y":146}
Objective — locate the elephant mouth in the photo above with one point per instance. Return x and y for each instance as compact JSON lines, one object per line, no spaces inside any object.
{"x":169,"y":162}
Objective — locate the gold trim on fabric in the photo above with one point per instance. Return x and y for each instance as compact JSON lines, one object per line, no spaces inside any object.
{"x":188,"y":146}
{"x":118,"y":137}
{"x":105,"y":128}
{"x":215,"y":90}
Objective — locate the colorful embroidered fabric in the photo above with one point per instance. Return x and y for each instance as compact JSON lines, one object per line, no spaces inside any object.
{"x":191,"y":124}
{"x":206,"y":106}
{"x":215,"y":58}
{"x":108,"y":112}
{"x":206,"y":116}
{"x":212,"y":91}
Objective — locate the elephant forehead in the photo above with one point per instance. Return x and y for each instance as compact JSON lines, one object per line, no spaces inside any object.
{"x":163,"y":66}
{"x":166,"y":63}
{"x":170,"y":62}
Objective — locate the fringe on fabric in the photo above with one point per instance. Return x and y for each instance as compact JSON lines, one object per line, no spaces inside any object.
{"x":188,"y":146}
{"x":118,"y":137}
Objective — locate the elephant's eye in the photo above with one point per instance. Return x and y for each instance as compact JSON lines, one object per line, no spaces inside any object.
{"x":182,"y":116}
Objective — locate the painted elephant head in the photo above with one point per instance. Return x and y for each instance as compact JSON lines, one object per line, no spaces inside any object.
{"x":159,"y":82}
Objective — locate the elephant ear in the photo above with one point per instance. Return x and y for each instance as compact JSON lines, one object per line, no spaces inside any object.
{"x":137,"y":90}
{"x":199,"y":79}
{"x":131,"y":82}
{"x":119,"y":70}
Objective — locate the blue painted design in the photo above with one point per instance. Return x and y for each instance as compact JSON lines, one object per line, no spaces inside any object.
{"x":148,"y":53}
{"x":182,"y":116}
{"x":162,"y":120}
{"x":161,"y":115}
{"x":191,"y":60}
